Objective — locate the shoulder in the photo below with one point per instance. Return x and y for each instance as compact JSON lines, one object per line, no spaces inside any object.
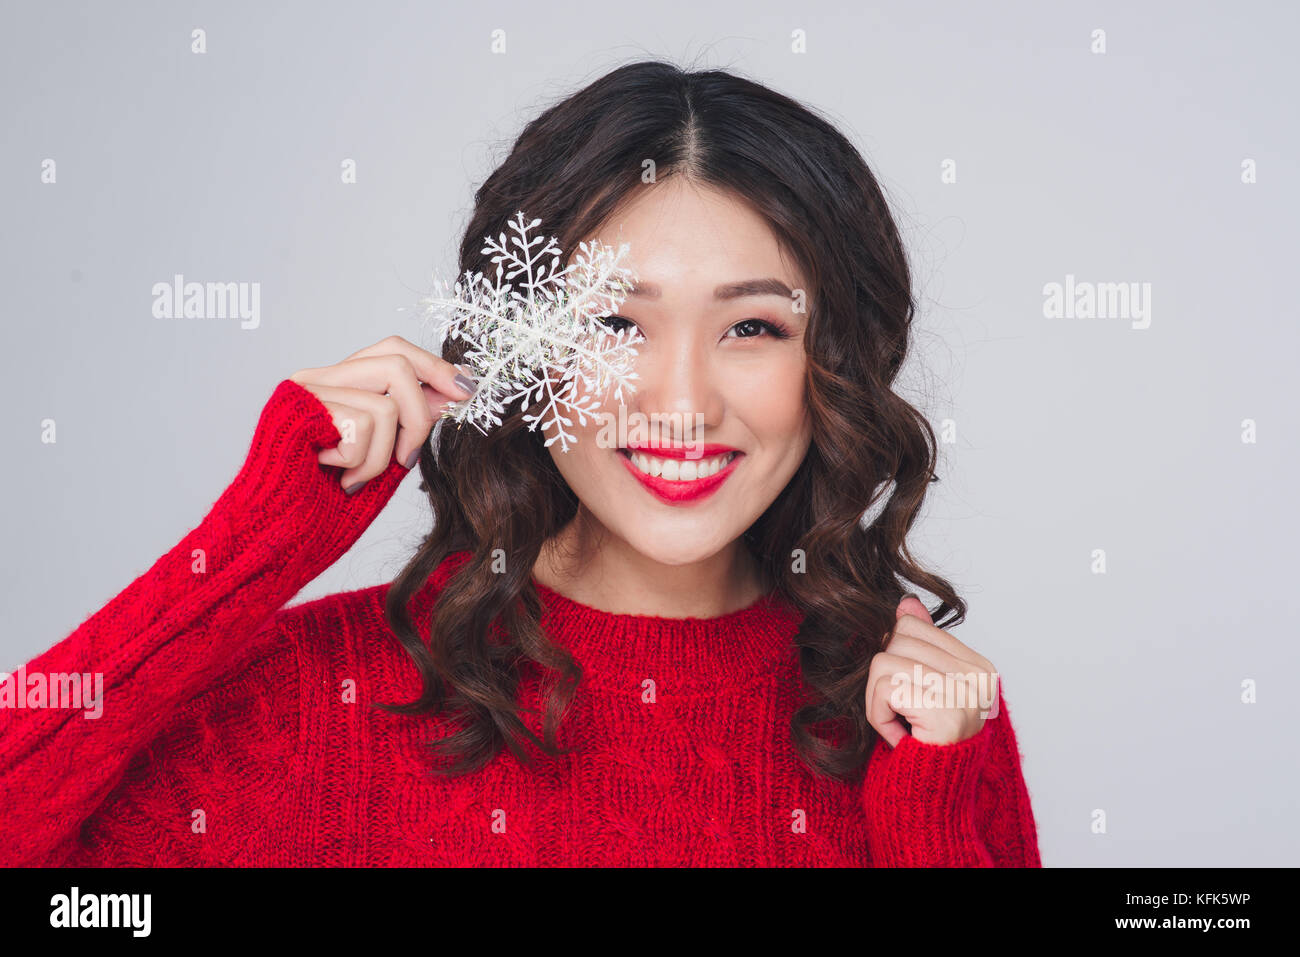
{"x":337,"y":611}
{"x":329,"y":632}
{"x":348,"y":634}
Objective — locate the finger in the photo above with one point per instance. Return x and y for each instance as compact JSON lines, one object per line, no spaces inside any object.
{"x":393,"y":375}
{"x":355,"y":427}
{"x":383,"y":436}
{"x":887,"y":672}
{"x":352,"y":420}
{"x":887,"y":722}
{"x":965,"y":684}
{"x":928,"y":653}
{"x":431,"y":369}
{"x":911,"y":605}
{"x":911,"y":625}
{"x":371,"y":419}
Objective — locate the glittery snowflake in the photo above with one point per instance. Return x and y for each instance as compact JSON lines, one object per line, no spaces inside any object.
{"x":535,"y":332}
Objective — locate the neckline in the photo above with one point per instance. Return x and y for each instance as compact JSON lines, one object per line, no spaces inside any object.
{"x":560,"y":600}
{"x":620,"y":651}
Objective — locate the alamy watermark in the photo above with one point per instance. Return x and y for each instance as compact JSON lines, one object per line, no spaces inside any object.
{"x":945,"y":690}
{"x":57,"y":689}
{"x":179,"y":299}
{"x":1098,"y":300}
{"x":76,"y":909}
{"x":648,"y":431}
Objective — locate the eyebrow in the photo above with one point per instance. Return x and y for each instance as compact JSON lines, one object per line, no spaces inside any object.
{"x":731,"y":290}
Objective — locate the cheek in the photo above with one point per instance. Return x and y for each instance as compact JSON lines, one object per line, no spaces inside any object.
{"x":580,"y":466}
{"x":585,"y":437}
{"x":773,"y":403}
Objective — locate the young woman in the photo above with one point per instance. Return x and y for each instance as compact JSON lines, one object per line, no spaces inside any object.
{"x":597,"y":656}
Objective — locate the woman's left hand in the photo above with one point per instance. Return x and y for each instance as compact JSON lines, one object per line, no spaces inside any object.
{"x":942,"y":688}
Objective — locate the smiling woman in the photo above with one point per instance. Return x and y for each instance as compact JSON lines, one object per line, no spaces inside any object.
{"x":774,"y":297}
{"x":677,"y":647}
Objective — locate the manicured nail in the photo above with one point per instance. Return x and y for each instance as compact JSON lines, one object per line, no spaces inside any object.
{"x":349,"y":491}
{"x":412,"y":459}
{"x":466,"y":383}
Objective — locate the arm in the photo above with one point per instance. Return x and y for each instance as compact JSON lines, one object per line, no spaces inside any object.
{"x":219,"y":784}
{"x":178,"y":628}
{"x":954,"y":805}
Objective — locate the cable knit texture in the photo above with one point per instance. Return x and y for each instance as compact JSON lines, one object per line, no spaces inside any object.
{"x":237,"y":730}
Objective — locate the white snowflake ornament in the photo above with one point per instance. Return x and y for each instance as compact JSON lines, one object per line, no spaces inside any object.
{"x":541,"y":338}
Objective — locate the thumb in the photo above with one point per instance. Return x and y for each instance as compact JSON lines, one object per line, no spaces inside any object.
{"x":911,"y":604}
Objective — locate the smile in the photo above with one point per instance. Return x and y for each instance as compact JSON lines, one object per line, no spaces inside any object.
{"x":674,"y":479}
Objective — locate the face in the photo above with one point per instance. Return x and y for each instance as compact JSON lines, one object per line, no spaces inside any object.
{"x":719,"y":393}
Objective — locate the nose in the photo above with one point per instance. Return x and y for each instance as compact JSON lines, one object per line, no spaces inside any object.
{"x":676,"y":388}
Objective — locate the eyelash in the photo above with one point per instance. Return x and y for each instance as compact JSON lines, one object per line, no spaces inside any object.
{"x":774,"y":329}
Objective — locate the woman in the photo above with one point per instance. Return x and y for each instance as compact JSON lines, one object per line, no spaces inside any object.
{"x":596,"y":656}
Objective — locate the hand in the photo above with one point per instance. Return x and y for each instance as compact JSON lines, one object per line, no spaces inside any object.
{"x":384,"y":400}
{"x":935,"y":713}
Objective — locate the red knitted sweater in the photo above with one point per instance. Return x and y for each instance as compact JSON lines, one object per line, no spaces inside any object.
{"x":233,"y":730}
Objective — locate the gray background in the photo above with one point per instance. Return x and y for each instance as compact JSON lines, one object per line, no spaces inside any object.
{"x":1072,"y":434}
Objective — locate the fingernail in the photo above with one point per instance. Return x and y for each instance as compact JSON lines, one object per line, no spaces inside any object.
{"x":466,"y":383}
{"x":412,"y":459}
{"x":350,"y":490}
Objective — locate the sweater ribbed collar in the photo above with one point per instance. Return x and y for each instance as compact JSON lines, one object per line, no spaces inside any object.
{"x":679,"y":654}
{"x":620,"y":651}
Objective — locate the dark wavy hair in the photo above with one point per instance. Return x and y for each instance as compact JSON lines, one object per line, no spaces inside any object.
{"x":571,"y":167}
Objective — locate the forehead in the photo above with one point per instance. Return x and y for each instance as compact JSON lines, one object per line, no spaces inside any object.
{"x":685,"y":235}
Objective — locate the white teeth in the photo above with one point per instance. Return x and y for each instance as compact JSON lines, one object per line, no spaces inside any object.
{"x":680,"y":470}
{"x":646,"y":464}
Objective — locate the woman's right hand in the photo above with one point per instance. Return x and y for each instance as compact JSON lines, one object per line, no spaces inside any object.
{"x":385,"y":400}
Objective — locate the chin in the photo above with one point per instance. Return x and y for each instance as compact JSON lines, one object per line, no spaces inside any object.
{"x":674,"y":549}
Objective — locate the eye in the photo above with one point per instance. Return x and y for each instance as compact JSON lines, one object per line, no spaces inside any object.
{"x":616,"y":323}
{"x":754,"y":328}
{"x":745,"y":329}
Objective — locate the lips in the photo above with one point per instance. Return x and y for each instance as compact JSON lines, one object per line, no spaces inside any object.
{"x":709,"y":450}
{"x":675,"y":458}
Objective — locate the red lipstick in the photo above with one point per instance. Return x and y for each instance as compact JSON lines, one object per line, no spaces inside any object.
{"x":708,"y":450}
{"x":676,"y":493}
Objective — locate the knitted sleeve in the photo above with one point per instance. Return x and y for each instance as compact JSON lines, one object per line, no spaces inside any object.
{"x":953,"y":805}
{"x":177,"y":631}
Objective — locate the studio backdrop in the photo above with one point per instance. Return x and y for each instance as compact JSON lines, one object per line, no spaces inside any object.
{"x":1099,"y":201}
